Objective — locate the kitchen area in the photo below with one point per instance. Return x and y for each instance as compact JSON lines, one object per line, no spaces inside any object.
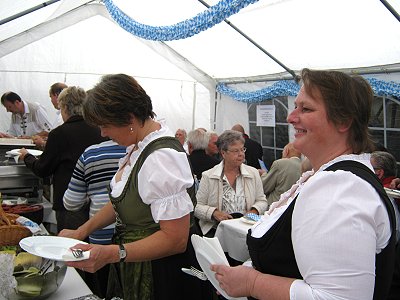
{"x":25,"y":194}
{"x":20,"y":187}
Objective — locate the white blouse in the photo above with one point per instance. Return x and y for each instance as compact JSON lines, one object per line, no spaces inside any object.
{"x":30,"y":123}
{"x":339,"y":224}
{"x":162,"y":180}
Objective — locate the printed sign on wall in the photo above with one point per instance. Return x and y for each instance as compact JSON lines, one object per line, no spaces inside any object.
{"x":266,"y":115}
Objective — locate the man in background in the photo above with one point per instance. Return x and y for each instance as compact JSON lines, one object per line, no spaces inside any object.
{"x":55,"y":90}
{"x":283,"y":174}
{"x":212,"y":149}
{"x":27,"y":118}
{"x":181,"y":135}
{"x":200,"y":161}
{"x":385,"y":166}
{"x":254,"y":151}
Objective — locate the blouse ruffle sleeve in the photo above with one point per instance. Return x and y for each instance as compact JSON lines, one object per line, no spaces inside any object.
{"x":162,"y":183}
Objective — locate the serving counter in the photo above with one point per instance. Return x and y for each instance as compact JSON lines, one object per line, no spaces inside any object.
{"x":72,"y":287}
{"x":15,"y":178}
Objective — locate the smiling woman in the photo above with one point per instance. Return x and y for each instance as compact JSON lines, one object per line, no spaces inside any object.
{"x":336,"y":207}
{"x":150,"y":201}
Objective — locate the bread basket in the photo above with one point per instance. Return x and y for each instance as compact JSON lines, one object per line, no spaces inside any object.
{"x":10,"y":231}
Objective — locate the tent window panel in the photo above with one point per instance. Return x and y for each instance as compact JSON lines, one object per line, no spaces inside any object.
{"x":377,"y":116}
{"x":281,"y":109}
{"x":273,"y":139}
{"x":393,"y":143}
{"x":252,"y":111}
{"x":378,"y":136}
{"x":282,"y":135}
{"x":255,"y":132}
{"x":268,"y":137}
{"x":392,"y":113}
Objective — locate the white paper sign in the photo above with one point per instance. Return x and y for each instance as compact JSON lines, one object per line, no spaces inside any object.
{"x":266,"y":115}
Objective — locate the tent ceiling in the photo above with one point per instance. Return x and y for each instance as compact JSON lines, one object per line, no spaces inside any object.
{"x":322,"y":34}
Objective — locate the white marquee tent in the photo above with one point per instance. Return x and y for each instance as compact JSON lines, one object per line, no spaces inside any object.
{"x":77,"y":41}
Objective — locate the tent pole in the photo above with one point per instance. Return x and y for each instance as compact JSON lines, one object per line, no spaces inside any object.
{"x":391,"y":9}
{"x":27,"y":11}
{"x":291,"y":72}
{"x":385,"y":69}
{"x":194,"y":106}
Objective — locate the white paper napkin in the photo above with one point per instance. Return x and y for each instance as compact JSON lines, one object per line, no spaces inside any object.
{"x":16,"y":158}
{"x":68,"y":256}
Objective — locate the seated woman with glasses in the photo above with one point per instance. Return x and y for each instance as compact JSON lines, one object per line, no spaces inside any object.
{"x":229,"y":189}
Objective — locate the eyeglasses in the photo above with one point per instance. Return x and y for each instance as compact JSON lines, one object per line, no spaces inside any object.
{"x":237,"y":151}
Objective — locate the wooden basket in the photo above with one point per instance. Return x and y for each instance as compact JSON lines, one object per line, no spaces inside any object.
{"x":10,"y":231}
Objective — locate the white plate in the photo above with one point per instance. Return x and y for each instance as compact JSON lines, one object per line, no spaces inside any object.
{"x":51,"y":247}
{"x":15,"y":201}
{"x":34,"y":152}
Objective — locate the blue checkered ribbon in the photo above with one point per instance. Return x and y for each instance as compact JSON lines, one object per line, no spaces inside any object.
{"x":291,"y":88}
{"x":280,"y":88}
{"x":184,"y":29}
{"x":385,"y":88}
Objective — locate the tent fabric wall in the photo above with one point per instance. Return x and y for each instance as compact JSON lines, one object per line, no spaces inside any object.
{"x":76,"y":41}
{"x":78,"y":55}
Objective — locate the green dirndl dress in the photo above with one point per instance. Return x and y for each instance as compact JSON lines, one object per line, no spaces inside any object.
{"x":160,"y":279}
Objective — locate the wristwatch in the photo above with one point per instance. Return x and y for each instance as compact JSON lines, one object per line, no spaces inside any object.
{"x":122,"y":253}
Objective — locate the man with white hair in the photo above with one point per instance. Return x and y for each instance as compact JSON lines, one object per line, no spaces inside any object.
{"x":197,"y":144}
{"x":212,"y":149}
{"x":181,"y":134}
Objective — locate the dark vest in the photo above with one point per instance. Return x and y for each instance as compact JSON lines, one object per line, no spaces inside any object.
{"x":278,"y":245}
{"x":140,"y":217}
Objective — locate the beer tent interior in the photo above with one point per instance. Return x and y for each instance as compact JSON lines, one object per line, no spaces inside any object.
{"x":221,"y":61}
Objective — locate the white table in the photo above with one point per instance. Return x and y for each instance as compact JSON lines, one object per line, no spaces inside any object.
{"x":232,"y":236}
{"x":72,"y":287}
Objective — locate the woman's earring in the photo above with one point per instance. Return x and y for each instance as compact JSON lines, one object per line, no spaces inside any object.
{"x":131,"y":129}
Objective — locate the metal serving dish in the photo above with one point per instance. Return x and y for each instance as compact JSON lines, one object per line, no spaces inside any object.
{"x":41,"y":285}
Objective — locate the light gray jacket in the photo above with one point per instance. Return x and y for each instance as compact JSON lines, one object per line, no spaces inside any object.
{"x":209,"y":195}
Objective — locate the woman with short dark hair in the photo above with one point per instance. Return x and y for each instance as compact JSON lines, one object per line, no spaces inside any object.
{"x":149,"y":199}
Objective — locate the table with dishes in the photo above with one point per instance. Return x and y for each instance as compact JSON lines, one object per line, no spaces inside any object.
{"x":53,"y":247}
{"x":232,"y":236}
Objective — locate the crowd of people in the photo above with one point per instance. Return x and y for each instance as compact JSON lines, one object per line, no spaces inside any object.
{"x":136,"y":191}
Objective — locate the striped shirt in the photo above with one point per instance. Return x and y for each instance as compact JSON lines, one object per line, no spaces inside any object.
{"x":90,"y":181}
